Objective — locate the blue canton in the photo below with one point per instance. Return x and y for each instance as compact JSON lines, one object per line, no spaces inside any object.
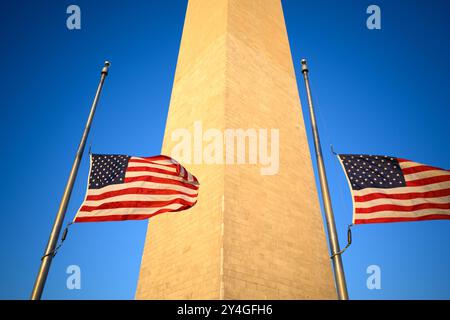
{"x":366,"y":171}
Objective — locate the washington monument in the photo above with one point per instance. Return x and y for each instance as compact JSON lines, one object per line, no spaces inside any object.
{"x":251,"y":235}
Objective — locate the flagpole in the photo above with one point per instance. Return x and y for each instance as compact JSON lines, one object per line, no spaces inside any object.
{"x":339,"y":275}
{"x":46,"y":259}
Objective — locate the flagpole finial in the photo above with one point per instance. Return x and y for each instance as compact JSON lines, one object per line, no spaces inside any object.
{"x":106,"y":67}
{"x":304,"y":65}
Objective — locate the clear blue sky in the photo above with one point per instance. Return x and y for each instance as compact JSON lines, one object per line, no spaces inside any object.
{"x":380,"y":92}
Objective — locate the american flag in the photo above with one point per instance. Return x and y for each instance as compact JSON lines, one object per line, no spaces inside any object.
{"x":388,"y":189}
{"x":122,"y":187}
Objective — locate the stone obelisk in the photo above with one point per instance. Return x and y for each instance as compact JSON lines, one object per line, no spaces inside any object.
{"x":250,"y":235}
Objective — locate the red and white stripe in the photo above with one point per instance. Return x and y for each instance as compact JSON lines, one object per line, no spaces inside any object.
{"x":426,"y":196}
{"x":151,"y":186}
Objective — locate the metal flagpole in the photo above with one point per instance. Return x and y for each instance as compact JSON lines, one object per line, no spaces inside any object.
{"x":46,"y":259}
{"x":339,"y":275}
